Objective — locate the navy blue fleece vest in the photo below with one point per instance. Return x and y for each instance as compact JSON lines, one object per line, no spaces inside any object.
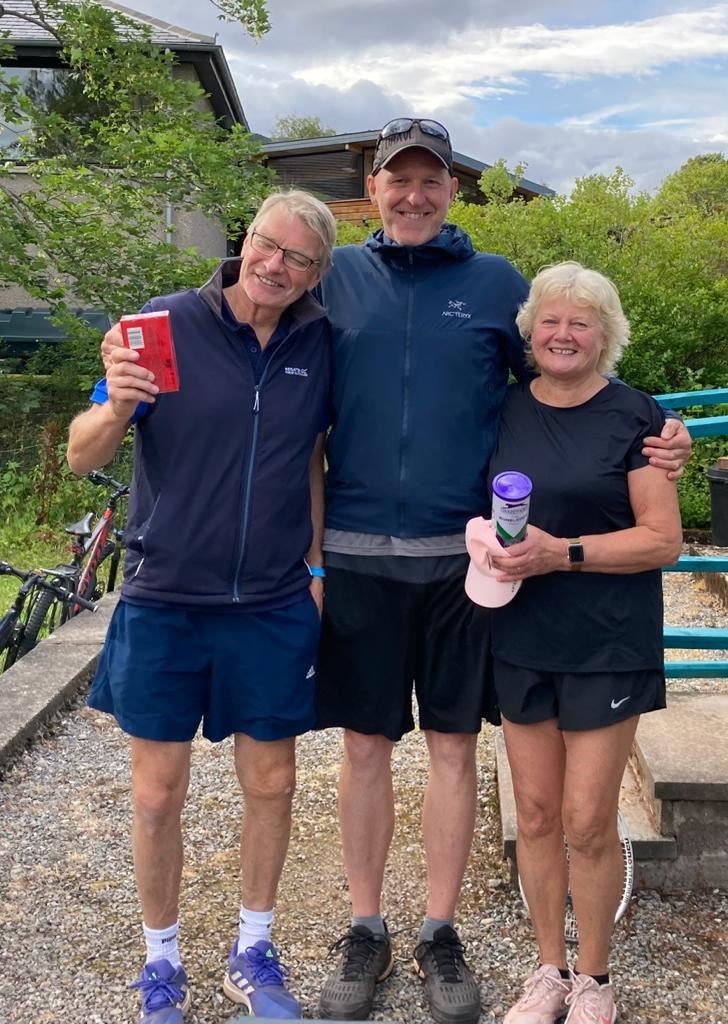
{"x":219,"y":511}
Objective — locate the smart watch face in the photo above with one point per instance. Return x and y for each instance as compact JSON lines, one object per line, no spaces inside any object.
{"x":576,"y":554}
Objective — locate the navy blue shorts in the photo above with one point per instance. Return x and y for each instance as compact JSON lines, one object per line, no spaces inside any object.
{"x":163,"y":671}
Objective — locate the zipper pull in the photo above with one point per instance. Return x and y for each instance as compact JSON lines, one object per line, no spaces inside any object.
{"x":256,"y":403}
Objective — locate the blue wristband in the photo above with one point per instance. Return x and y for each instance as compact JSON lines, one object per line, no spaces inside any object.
{"x":317,"y":571}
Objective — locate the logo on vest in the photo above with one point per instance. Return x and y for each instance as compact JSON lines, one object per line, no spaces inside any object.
{"x":455,"y":308}
{"x":296,"y":371}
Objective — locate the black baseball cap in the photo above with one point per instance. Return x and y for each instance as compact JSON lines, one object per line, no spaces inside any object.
{"x":412,"y":133}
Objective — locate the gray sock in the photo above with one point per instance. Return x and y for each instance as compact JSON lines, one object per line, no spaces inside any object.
{"x":430,"y":926}
{"x":375,"y":923}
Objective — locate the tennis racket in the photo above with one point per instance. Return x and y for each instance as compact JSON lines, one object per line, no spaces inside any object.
{"x":571,"y":931}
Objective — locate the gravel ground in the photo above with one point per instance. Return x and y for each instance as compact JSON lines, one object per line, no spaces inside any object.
{"x":69,"y":917}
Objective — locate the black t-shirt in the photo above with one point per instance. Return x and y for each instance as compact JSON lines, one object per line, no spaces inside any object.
{"x":578,"y":460}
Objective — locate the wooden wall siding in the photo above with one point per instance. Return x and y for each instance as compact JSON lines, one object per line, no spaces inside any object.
{"x":338,"y":178}
{"x":327,"y":175}
{"x":355,"y":211}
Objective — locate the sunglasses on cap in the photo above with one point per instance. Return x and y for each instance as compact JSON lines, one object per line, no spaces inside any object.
{"x":400,"y":125}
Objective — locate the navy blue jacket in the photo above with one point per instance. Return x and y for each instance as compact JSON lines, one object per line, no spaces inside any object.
{"x":424,"y":338}
{"x":219,"y":511}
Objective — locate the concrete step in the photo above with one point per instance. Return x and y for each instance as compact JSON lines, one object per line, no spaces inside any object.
{"x":682,"y":756}
{"x":642,"y":817}
{"x":683,"y":750}
{"x":647,"y":841}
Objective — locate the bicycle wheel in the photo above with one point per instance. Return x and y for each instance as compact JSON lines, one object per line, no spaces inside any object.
{"x":46,"y":611}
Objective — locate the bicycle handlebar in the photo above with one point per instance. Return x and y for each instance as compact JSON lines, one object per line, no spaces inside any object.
{"x":102,"y":480}
{"x":38,"y":578}
{"x":68,"y":596}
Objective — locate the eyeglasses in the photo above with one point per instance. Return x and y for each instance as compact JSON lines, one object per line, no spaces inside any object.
{"x":400,"y":125}
{"x":292,"y":259}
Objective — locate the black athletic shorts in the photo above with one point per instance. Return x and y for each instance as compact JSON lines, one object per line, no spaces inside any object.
{"x":579,"y":700}
{"x":380,"y":637}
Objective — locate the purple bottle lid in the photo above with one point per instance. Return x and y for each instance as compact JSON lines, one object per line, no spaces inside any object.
{"x":512,"y":486}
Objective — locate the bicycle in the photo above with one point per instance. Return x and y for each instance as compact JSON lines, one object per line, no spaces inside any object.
{"x":40,"y":596}
{"x":91,"y":546}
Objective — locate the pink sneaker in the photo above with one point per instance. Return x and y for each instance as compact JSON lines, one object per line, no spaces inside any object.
{"x":544,"y":998}
{"x":589,"y":1002}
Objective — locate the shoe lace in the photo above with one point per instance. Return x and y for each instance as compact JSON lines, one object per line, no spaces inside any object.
{"x":358,"y":952}
{"x":536,"y":986}
{"x":448,"y":956}
{"x":157,"y":992}
{"x":586,"y":991}
{"x":266,"y":968}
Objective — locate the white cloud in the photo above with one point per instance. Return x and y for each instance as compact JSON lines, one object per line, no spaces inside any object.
{"x":592,"y":118}
{"x":711,"y":130}
{"x":568,"y":87}
{"x":556,"y":154}
{"x":468,"y":64}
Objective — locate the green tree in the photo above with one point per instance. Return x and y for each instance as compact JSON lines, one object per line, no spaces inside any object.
{"x":251,"y":14}
{"x":115,"y":140}
{"x":498,"y":184}
{"x":669,"y":269}
{"x":292,"y":127}
{"x":700,"y":186}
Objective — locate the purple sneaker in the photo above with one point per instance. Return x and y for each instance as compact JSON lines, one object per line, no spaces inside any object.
{"x":164,"y":991}
{"x":257,"y":979}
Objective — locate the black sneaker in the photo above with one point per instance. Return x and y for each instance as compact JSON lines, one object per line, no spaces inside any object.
{"x":366,"y":959}
{"x":451,"y":989}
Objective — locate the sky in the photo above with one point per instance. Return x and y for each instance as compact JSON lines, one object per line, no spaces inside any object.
{"x":566,"y":87}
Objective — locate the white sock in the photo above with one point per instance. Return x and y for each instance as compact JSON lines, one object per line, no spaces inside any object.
{"x":254,"y":926}
{"x":162,"y":944}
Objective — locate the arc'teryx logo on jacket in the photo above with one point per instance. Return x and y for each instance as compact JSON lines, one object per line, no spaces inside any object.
{"x":419,"y":383}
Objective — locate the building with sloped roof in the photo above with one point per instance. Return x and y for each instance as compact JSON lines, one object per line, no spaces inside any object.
{"x":335,"y":168}
{"x":36,"y":60}
{"x":198,"y":55}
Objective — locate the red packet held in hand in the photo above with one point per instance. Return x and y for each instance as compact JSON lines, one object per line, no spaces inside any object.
{"x":150,"y":335}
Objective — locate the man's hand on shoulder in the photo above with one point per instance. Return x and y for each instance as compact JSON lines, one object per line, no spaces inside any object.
{"x":671,"y":450}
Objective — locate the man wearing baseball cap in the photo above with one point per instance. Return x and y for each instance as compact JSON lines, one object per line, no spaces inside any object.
{"x":412,"y":133}
{"x":424,"y":338}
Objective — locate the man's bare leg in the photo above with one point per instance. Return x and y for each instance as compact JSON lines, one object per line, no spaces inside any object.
{"x":160,"y":777}
{"x":448,"y":820}
{"x":448,"y":817}
{"x":267,"y":775}
{"x":366,"y":814}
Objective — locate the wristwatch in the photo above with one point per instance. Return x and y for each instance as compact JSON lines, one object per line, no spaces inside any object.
{"x":575,"y":553}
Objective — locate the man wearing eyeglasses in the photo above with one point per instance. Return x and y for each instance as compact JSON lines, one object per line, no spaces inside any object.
{"x":424,"y":339}
{"x":219,"y":617}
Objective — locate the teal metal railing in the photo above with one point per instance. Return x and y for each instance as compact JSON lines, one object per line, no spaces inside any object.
{"x":694,"y":637}
{"x":705,"y":426}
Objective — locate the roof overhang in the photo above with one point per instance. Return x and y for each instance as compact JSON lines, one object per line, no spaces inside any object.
{"x":360,"y":141}
{"x":204,"y":54}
